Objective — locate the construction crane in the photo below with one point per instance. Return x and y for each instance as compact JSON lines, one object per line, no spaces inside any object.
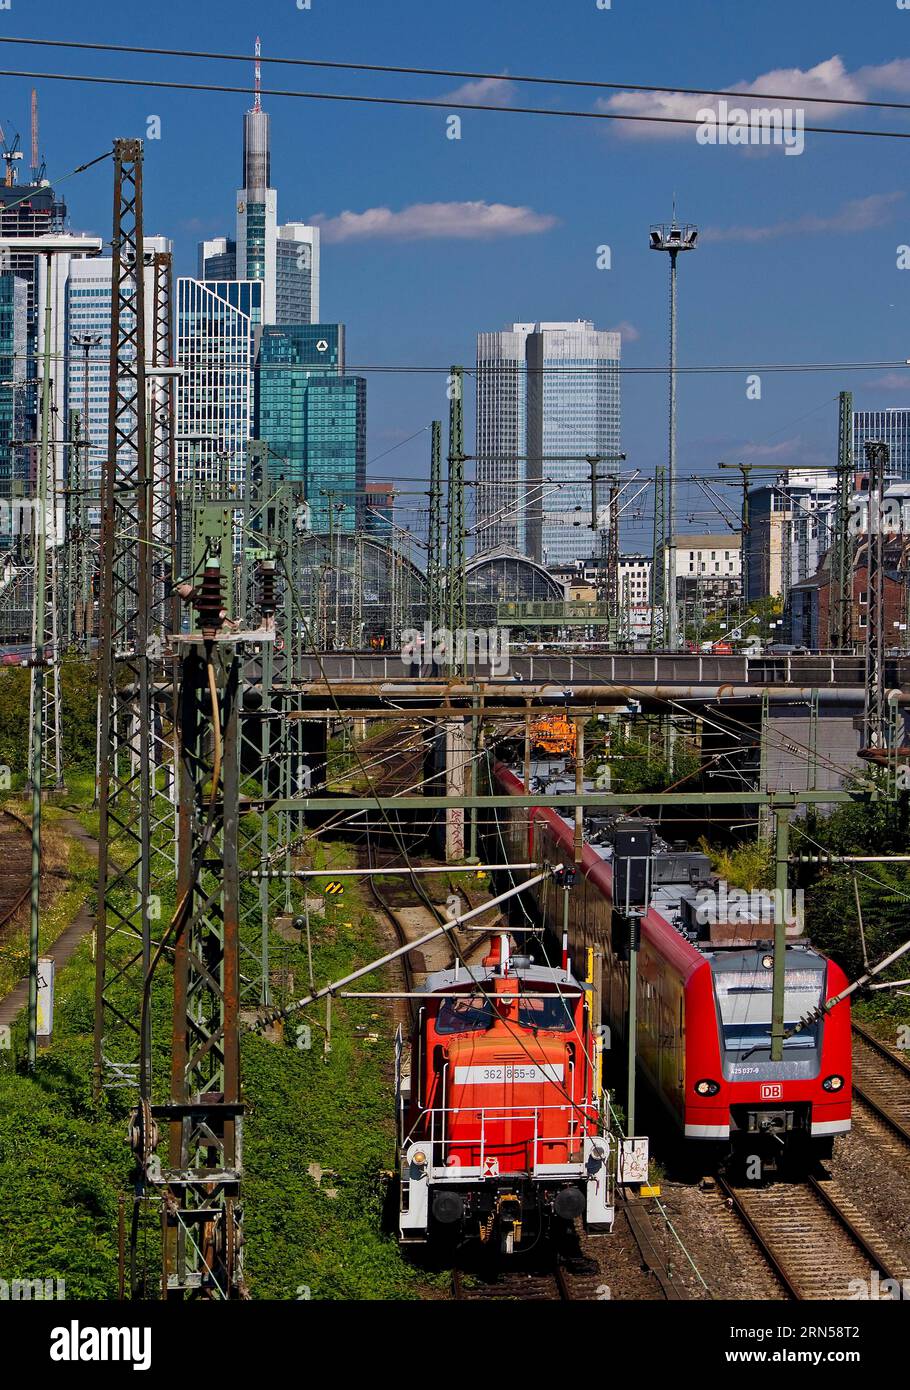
{"x":37,"y":166}
{"x":11,"y":153}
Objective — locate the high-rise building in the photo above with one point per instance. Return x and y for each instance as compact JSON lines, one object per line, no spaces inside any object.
{"x":216,"y":329}
{"x":313,"y":418}
{"x":257,"y":207}
{"x":892,"y":426}
{"x":284,"y":259}
{"x":297,"y":274}
{"x":27,"y":210}
{"x":217,"y":259}
{"x":501,"y":438}
{"x":550,"y":392}
{"x":13,"y":363}
{"x":86,"y":344}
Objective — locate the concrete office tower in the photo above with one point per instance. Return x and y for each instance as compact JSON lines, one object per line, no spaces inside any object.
{"x":217,"y":259}
{"x":26,"y":210}
{"x":257,"y":205}
{"x":86,"y":343}
{"x":548,"y":392}
{"x":285,"y":260}
{"x":297,"y":274}
{"x":501,"y":438}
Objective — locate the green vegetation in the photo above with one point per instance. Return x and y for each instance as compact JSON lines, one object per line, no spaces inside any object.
{"x":639,"y":762}
{"x":748,"y":865}
{"x":883,"y":891}
{"x":716,"y":625}
{"x":319,"y":1133}
{"x":79,"y":696}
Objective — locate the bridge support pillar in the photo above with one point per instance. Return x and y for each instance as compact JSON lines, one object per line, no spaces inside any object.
{"x":457,"y":772}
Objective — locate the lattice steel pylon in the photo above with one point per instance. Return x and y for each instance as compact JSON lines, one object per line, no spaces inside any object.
{"x":46,"y":639}
{"x":136,"y":799}
{"x":456,"y":587}
{"x":165,"y":605}
{"x":267,"y":738}
{"x":434,"y":538}
{"x":877,"y":721}
{"x":77,"y":552}
{"x":201,"y":1212}
{"x":44,"y":688}
{"x":840,"y":607}
{"x":659,"y":580}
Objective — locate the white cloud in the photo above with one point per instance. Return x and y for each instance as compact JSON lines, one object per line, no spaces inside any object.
{"x":856,"y":215}
{"x":492,"y":91}
{"x":474,"y":221}
{"x":770,"y":451}
{"x":891,"y":381}
{"x":628,"y":330}
{"x":828,"y":80}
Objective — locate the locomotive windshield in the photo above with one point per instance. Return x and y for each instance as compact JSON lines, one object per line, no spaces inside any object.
{"x":744,"y":999}
{"x":546,"y":1013}
{"x":472,"y":1014}
{"x":475,"y":1013}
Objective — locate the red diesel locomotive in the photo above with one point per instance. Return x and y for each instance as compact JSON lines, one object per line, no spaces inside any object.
{"x":501,"y":1120}
{"x":703,"y":1005}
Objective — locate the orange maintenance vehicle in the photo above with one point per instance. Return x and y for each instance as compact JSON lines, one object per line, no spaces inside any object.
{"x":554,"y":735}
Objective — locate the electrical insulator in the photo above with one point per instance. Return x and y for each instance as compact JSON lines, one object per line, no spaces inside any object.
{"x":267,"y":603}
{"x":208,"y":600}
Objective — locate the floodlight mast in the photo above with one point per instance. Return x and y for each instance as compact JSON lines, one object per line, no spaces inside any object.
{"x":671,"y":238}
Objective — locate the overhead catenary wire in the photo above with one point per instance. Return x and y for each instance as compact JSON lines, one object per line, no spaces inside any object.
{"x":537,"y":78}
{"x":362,"y":99}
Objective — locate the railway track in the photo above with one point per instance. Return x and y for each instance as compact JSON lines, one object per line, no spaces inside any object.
{"x":568,"y":1279}
{"x":16,"y":858}
{"x":818,"y":1245}
{"x":881,"y":1083}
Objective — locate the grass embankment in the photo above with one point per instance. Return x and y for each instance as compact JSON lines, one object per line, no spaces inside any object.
{"x":319,"y":1132}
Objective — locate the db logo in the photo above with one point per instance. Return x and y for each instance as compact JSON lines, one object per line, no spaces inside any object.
{"x":773,"y":1091}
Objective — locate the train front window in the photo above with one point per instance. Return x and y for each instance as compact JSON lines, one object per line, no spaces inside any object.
{"x":553,"y":1013}
{"x":471,"y":1014}
{"x":744,"y":998}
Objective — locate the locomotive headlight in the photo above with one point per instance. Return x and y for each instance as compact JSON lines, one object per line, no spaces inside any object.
{"x":768,"y":962}
{"x":418,"y":1158}
{"x":832,"y":1083}
{"x":707,"y":1088}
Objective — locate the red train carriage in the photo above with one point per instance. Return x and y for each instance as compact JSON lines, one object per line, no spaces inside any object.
{"x":501,"y":1117}
{"x":704,"y":1009}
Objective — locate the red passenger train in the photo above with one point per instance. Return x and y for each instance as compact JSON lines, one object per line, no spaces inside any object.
{"x":703,"y":1003}
{"x":501,"y":1122}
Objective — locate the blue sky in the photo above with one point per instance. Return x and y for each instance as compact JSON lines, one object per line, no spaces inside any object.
{"x":798,"y":254}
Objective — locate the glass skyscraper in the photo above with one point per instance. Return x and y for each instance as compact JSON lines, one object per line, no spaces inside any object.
{"x":549,"y":391}
{"x":893,"y":426}
{"x":314,"y":419}
{"x":216,"y":324}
